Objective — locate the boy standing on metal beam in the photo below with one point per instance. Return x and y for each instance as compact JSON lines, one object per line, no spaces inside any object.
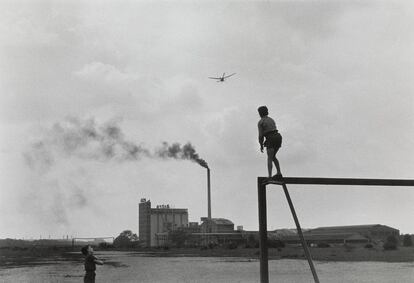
{"x":267,"y":129}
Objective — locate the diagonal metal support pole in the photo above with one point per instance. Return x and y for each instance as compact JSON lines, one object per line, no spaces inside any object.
{"x":299,"y":229}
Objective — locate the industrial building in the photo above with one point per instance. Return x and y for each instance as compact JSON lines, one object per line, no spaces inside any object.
{"x":155,"y":223}
{"x":372,"y":231}
{"x":214,"y":231}
{"x":352,"y":234}
{"x":216,"y":225}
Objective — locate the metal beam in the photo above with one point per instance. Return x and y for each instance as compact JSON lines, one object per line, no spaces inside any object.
{"x":264,"y":263}
{"x":337,"y":181}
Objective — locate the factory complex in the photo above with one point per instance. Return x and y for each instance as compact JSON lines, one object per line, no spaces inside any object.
{"x":157,"y":224}
{"x":157,"y":227}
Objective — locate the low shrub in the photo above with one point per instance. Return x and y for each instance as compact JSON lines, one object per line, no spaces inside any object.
{"x":275,"y":244}
{"x":407,"y":241}
{"x":391,"y":243}
{"x":389,"y":246}
{"x":368,"y":246}
{"x":105,"y":245}
{"x":348,"y":248}
{"x":323,"y":245}
{"x":231,"y":246}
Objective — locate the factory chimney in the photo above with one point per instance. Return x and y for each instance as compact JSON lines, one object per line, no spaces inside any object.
{"x":208,"y":194}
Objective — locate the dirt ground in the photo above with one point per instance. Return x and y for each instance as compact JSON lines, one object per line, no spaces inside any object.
{"x":31,"y":256}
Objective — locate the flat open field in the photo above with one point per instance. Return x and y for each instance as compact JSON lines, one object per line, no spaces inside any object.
{"x":340,"y":253}
{"x":29,"y":256}
{"x":123,"y":266}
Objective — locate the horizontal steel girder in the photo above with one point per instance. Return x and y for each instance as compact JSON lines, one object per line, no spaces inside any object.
{"x":337,"y":181}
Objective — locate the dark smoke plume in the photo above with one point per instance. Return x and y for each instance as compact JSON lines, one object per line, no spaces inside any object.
{"x":177,"y":151}
{"x":56,"y":193}
{"x":86,"y":140}
{"x":82,"y":139}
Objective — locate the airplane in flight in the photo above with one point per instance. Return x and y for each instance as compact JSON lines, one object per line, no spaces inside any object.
{"x":222,"y":78}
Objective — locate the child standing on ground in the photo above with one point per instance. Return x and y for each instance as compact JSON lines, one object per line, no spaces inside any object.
{"x":90,"y":264}
{"x":267,"y":129}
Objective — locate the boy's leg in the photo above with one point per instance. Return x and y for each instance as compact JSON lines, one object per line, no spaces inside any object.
{"x":276,"y":162}
{"x":270,"y":155}
{"x":89,"y":277}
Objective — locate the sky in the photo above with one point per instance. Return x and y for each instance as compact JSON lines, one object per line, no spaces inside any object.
{"x":90,"y":91}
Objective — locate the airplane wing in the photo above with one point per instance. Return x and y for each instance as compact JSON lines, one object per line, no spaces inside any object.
{"x":229,"y":75}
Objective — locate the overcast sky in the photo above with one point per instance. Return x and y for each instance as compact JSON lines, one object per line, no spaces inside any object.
{"x":337,"y":77}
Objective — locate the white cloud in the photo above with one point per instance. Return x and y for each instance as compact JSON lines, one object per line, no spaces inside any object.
{"x":21,"y":29}
{"x":107,"y":73}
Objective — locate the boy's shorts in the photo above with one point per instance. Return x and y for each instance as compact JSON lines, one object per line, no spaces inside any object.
{"x":273,"y":140}
{"x":89,"y":277}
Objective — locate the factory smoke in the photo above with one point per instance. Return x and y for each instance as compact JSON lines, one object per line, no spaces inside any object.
{"x":85,"y":139}
{"x":59,"y":162}
{"x":177,"y":151}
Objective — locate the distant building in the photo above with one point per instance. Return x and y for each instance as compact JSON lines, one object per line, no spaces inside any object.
{"x":193,"y":227}
{"x":144,"y":222}
{"x":352,"y":234}
{"x":279,"y":234}
{"x":155,"y":223}
{"x":371,"y":232}
{"x":216,"y":225}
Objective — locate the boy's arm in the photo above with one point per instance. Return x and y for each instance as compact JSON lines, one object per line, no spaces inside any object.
{"x":261,"y":137}
{"x":98,"y":261}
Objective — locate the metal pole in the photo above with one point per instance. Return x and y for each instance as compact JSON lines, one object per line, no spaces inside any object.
{"x":208,"y":194}
{"x":264,"y":263}
{"x":302,"y":239}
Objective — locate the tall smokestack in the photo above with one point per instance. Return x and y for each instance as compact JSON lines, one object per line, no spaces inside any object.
{"x":208,"y":194}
